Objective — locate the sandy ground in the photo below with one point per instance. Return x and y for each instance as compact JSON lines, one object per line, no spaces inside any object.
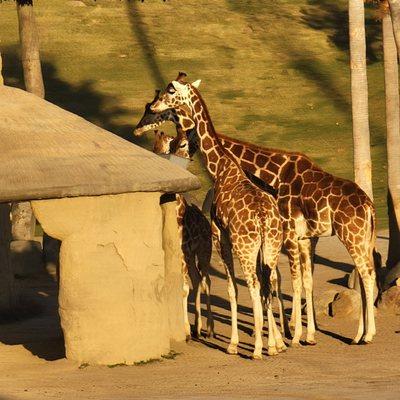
{"x":33,"y":366}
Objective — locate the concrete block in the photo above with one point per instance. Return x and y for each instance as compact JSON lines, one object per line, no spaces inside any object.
{"x":112,"y":300}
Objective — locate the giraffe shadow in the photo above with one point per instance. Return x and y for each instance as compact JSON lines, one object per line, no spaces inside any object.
{"x":345,"y":267}
{"x":334,"y":335}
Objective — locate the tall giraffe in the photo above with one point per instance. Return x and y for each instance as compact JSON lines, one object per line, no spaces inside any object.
{"x":196,"y":242}
{"x":312,"y":203}
{"x":249,"y":215}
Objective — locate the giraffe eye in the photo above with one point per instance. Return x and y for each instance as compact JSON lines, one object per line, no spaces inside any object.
{"x":171,"y":90}
{"x":182,"y":145}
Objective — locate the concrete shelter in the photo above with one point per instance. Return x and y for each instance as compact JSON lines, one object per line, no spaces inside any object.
{"x":120,"y":298}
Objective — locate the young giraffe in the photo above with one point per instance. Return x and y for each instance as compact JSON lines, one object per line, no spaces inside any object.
{"x":312,"y":203}
{"x":196,"y":242}
{"x":249,"y":215}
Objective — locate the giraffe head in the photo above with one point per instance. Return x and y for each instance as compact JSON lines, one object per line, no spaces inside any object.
{"x":162,"y":142}
{"x":151,"y":120}
{"x":178,"y":95}
{"x":166,"y":144}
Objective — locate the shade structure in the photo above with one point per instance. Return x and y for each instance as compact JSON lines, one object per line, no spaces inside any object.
{"x":101,"y":196}
{"x":47,"y":152}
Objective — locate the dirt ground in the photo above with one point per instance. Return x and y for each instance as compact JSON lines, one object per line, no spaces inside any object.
{"x":33,"y":366}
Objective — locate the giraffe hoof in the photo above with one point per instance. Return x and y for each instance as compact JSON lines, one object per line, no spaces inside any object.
{"x":296,"y":344}
{"x":311,"y":342}
{"x":210,"y":332}
{"x":355,"y":341}
{"x":272,"y":351}
{"x":281,"y":348}
{"x":257,"y":356}
{"x":232,"y":349}
{"x":188,"y":338}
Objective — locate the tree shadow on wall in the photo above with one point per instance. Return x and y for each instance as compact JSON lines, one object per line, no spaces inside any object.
{"x":333,"y":18}
{"x":82,"y":98}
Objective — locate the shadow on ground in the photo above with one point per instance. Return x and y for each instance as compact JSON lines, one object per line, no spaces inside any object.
{"x":35,"y":323}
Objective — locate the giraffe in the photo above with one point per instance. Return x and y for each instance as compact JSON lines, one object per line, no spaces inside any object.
{"x":312,"y":203}
{"x":241,"y":211}
{"x":196,"y":242}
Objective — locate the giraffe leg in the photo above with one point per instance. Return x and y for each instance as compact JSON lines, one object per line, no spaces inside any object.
{"x":255,"y":294}
{"x":276,"y":287}
{"x":197,"y":319}
{"x":368,"y":280}
{"x":225,"y":253}
{"x":248,"y":261}
{"x":204,"y":257}
{"x":272,"y":345}
{"x":307,"y":270}
{"x":206,"y":283}
{"x":186,"y":289}
{"x":360,"y":330}
{"x":292,"y":247}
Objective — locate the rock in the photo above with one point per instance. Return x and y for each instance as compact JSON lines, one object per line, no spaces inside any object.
{"x":347,"y":303}
{"x":390,"y":277}
{"x":26,"y":258}
{"x":322,"y":302}
{"x":351,"y":279}
{"x":76,"y":3}
{"x":391,"y":300}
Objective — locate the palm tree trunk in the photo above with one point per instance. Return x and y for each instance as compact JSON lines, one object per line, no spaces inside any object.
{"x":359,"y":97}
{"x":29,"y":39}
{"x":393,"y":138}
{"x":394,"y":6}
{"x":23,"y":220}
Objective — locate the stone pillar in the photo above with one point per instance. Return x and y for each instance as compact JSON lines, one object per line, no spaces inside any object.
{"x":112,"y":299}
{"x":173,"y":269}
{"x":8,"y":297}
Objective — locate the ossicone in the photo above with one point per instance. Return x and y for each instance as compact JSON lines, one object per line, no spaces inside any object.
{"x":181,"y":77}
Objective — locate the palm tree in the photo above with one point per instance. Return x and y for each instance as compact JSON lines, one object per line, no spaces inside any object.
{"x":29,"y":40}
{"x":395,"y":14}
{"x":393,"y":136}
{"x":23,"y":220}
{"x":359,"y":96}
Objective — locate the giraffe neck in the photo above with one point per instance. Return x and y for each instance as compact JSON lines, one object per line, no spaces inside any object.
{"x":210,"y":145}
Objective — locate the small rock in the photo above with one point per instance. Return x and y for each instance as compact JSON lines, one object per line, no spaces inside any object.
{"x":391,"y":299}
{"x":76,"y":3}
{"x":347,"y":303}
{"x":322,"y":302}
{"x":398,"y":282}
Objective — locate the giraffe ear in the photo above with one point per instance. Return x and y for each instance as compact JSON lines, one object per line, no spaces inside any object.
{"x":196,"y":84}
{"x":177,"y":85}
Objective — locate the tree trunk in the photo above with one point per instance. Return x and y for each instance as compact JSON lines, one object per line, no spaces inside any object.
{"x":23,"y":220}
{"x":29,"y":39}
{"x":359,"y":97}
{"x":394,"y":6}
{"x":393,"y":138}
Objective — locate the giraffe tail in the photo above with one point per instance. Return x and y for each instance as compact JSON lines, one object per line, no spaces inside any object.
{"x":375,"y":256}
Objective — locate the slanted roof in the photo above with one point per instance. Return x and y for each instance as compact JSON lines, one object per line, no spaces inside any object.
{"x":47,"y":152}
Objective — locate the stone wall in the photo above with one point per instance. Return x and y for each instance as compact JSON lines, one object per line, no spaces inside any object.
{"x":113,"y":297}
